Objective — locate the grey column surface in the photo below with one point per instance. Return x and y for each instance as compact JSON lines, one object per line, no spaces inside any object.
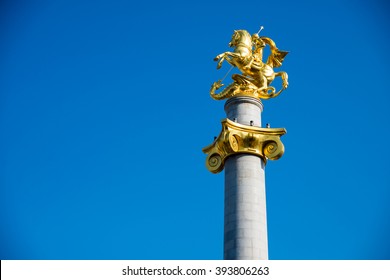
{"x":245,"y":224}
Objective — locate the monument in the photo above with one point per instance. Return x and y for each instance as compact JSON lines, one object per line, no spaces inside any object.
{"x":244,"y":146}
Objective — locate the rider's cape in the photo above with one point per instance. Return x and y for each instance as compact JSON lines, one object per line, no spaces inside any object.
{"x":277,"y":58}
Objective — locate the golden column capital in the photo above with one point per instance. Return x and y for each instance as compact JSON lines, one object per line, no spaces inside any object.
{"x":237,"y":138}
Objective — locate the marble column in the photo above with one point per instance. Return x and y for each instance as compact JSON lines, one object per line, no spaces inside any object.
{"x":245,"y":224}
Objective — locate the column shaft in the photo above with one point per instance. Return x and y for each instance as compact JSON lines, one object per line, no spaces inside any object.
{"x":245,"y":225}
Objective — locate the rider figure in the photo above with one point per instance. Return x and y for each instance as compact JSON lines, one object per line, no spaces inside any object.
{"x":257,"y":54}
{"x":258,"y":47}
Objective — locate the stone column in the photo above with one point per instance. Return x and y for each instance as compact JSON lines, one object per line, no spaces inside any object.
{"x":245,"y":225}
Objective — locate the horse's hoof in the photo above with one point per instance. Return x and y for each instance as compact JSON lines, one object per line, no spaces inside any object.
{"x":216,"y":58}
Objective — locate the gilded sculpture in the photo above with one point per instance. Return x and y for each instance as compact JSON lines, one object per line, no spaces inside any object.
{"x":256,"y":75}
{"x":254,"y":81}
{"x":237,"y":138}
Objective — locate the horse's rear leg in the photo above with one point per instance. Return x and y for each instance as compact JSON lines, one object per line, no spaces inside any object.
{"x":284,"y":77}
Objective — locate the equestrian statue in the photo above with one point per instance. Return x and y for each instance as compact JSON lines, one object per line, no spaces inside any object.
{"x":256,"y":75}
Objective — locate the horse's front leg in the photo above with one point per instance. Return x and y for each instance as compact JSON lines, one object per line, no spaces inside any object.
{"x":221,"y":58}
{"x":219,"y":65}
{"x":224,"y":56}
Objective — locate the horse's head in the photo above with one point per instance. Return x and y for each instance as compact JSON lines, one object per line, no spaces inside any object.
{"x":234,"y":40}
{"x":241,"y":37}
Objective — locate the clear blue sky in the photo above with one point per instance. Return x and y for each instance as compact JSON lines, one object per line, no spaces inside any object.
{"x":105,"y":107}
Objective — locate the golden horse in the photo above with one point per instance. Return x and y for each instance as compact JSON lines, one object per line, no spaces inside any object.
{"x":257,"y":75}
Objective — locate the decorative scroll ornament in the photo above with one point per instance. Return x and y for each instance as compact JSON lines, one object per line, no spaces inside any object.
{"x":237,"y":138}
{"x":256,"y":75}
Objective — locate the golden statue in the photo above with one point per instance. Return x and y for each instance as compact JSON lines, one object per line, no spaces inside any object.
{"x":256,"y":75}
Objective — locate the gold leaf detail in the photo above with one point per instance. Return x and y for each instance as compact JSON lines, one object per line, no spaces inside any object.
{"x":215,"y":163}
{"x":233,"y":143}
{"x":272,"y":150}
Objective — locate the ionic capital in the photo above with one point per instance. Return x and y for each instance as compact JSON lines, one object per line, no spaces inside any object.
{"x":237,"y":138}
